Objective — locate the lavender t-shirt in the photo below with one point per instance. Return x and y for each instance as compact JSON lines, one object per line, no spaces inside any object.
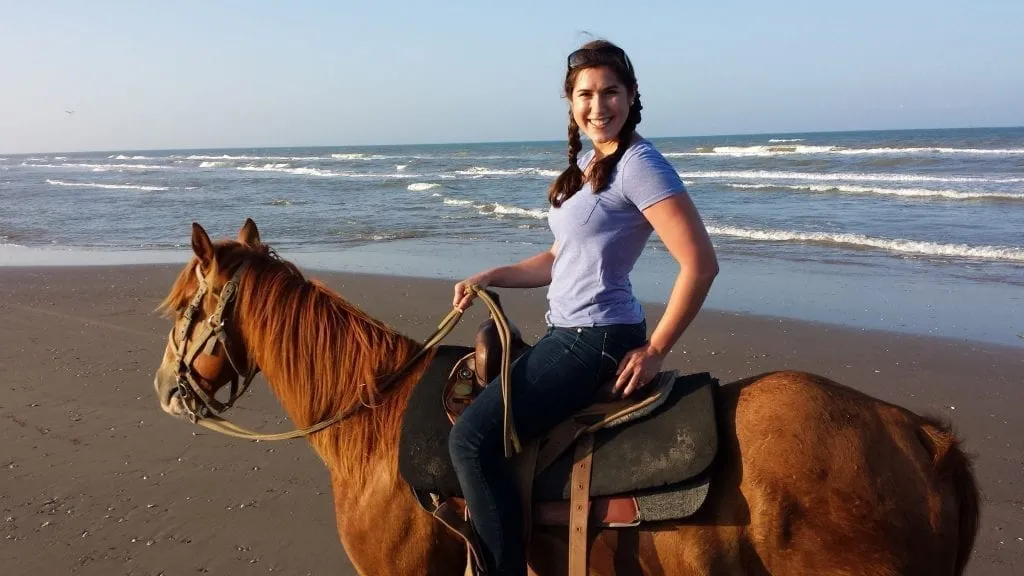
{"x":600,"y":237}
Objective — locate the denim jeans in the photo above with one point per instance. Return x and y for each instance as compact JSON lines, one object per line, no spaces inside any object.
{"x":557,"y":377}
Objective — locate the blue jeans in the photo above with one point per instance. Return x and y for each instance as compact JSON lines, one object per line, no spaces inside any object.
{"x":557,"y":377}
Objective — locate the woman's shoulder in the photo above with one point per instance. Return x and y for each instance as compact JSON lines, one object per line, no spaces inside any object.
{"x":643,"y":151}
{"x":642,"y":159}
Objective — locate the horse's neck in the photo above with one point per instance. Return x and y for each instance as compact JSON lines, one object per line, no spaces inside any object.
{"x":329,"y":361}
{"x":315,"y":379}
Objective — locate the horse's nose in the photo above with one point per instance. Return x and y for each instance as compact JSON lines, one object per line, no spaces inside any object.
{"x":167,"y":394}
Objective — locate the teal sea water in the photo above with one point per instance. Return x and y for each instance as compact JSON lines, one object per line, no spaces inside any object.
{"x":911,"y":231}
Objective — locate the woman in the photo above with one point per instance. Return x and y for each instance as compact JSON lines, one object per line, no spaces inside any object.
{"x":604,"y":207}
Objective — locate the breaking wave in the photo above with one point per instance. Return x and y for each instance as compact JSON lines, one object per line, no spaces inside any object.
{"x":910,"y":247}
{"x":904,"y":192}
{"x":107,"y":186}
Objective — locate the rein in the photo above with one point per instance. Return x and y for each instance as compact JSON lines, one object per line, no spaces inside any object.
{"x":207,"y":413}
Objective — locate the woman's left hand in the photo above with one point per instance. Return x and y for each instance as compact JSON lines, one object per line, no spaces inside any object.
{"x":637,"y":368}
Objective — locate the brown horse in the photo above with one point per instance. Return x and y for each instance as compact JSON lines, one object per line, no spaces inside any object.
{"x":812,"y":477}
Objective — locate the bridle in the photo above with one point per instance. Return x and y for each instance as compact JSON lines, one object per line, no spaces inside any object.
{"x":198,"y":404}
{"x":205,"y":410}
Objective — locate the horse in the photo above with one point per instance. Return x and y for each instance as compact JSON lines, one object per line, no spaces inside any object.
{"x":811,"y":476}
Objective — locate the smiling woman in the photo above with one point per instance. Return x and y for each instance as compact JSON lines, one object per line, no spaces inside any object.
{"x":604,"y":207}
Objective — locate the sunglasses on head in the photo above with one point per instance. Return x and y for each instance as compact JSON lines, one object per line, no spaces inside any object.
{"x":601,"y":55}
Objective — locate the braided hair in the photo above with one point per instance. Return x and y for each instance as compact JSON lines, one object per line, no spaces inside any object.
{"x":571,"y":180}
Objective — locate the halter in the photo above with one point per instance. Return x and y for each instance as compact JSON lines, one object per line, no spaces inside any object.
{"x":205,"y":410}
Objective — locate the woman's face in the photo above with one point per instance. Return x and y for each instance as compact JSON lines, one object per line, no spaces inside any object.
{"x":600,"y":105}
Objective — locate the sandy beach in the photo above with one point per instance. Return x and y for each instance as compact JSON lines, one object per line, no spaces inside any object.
{"x":95,"y":479}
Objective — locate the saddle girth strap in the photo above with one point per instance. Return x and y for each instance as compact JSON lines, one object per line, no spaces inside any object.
{"x":579,"y":503}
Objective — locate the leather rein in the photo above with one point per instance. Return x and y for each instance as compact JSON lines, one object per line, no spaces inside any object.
{"x":205,"y":410}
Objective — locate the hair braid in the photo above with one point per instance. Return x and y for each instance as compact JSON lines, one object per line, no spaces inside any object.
{"x":571,"y":179}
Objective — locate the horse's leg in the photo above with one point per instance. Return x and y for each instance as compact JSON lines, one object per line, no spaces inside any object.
{"x":385,"y":532}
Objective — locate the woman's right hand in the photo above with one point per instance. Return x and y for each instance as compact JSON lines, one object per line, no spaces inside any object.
{"x":463,"y":295}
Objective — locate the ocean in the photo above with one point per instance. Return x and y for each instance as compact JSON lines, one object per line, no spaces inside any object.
{"x":918,"y":231}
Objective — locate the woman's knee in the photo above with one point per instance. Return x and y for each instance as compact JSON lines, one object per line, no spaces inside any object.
{"x":463,"y":442}
{"x":468,"y":440}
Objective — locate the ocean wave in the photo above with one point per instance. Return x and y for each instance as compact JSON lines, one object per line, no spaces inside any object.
{"x":840,"y":176}
{"x":933,"y":150}
{"x":276,"y":158}
{"x":123,"y":157}
{"x":738,"y":151}
{"x":99,"y":167}
{"x":358,"y":156}
{"x":422,"y":186}
{"x":910,"y":247}
{"x":502,"y":209}
{"x":246,"y":158}
{"x":107,"y":186}
{"x":213,"y":164}
{"x":496,"y":209}
{"x":780,"y":140}
{"x":905,"y":192}
{"x":781,"y":148}
{"x":477,"y":171}
{"x":287,"y":169}
{"x":379,"y":236}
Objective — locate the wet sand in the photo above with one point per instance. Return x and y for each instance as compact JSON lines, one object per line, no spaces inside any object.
{"x":95,"y":479}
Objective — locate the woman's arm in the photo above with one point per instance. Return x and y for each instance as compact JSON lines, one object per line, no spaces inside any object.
{"x":532,"y":272}
{"x":677,"y":223}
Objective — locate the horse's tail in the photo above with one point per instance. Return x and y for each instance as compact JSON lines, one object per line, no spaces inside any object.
{"x":950,"y":462}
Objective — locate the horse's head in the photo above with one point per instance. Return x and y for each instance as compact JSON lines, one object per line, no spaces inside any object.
{"x":206,"y":349}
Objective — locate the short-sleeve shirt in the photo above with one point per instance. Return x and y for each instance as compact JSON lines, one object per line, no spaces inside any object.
{"x":599,"y":238}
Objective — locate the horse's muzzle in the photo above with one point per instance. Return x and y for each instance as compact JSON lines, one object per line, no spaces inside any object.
{"x":169,"y":395}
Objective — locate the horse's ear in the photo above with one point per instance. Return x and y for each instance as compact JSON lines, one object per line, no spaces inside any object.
{"x":249,"y":235}
{"x":201,"y":244}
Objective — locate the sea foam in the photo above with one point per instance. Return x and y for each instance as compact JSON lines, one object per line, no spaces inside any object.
{"x":910,"y":247}
{"x":905,"y":192}
{"x":107,"y":186}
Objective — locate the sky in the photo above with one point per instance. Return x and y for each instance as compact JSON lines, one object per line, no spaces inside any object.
{"x":262,"y":73}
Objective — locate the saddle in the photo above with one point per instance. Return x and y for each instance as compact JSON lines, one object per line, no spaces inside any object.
{"x":615,"y":464}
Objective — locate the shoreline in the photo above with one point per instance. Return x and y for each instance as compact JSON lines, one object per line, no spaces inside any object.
{"x":652,"y":308}
{"x":987,"y":315}
{"x":97,"y":480}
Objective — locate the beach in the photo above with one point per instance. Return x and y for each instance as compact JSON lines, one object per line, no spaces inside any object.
{"x":95,"y":479}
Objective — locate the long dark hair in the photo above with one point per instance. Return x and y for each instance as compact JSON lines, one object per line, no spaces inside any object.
{"x":590,"y":55}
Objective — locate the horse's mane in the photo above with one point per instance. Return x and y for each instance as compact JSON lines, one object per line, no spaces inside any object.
{"x":324,"y":353}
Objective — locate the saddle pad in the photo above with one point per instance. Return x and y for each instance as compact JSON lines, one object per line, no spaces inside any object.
{"x":423,"y":458}
{"x":676,"y":442}
{"x":672,"y":445}
{"x":674,"y":502}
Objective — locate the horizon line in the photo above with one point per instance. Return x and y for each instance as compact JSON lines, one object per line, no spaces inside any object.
{"x":484,"y":142}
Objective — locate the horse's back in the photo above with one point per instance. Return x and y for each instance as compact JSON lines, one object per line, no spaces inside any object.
{"x":837,"y":481}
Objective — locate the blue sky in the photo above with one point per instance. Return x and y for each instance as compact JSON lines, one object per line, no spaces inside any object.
{"x":302,"y":73}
